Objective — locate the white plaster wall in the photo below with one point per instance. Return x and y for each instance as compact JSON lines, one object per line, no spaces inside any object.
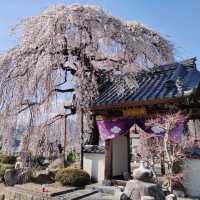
{"x":94,"y":164}
{"x":192,"y":177}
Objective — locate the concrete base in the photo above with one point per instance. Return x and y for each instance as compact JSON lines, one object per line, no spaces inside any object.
{"x":103,"y":189}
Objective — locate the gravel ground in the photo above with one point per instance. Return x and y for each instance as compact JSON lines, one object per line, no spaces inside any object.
{"x":2,"y":187}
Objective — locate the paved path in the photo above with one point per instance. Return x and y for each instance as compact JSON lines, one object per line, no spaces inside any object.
{"x":98,"y":196}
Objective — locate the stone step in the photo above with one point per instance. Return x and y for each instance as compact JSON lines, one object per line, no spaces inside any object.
{"x":76,"y":195}
{"x":102,"y":188}
{"x":99,"y":196}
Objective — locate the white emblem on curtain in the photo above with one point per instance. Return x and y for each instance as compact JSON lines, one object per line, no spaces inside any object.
{"x":115,"y":129}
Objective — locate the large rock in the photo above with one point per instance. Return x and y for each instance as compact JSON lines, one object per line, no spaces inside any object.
{"x":143,"y":174}
{"x":17,"y":176}
{"x":44,"y":177}
{"x":136,"y":190}
{"x":142,"y":187}
{"x":139,"y":190}
{"x":11,"y":177}
{"x":171,"y":197}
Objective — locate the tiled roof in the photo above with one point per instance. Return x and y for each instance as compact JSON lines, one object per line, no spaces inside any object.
{"x":93,"y":149}
{"x":161,"y":82}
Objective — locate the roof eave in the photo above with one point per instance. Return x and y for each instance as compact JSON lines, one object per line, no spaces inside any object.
{"x":138,"y":103}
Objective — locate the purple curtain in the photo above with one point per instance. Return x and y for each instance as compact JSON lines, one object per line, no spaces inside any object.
{"x":177,"y":132}
{"x":151,"y":129}
{"x":110,"y":129}
{"x":175,"y":135}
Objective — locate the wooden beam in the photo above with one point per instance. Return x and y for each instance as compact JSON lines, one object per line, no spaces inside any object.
{"x":108,"y":159}
{"x":137,"y":103}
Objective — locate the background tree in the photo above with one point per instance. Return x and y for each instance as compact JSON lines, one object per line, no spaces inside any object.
{"x":165,"y":149}
{"x":76,"y":41}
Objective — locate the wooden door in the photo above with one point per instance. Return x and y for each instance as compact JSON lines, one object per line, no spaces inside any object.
{"x":120,"y":155}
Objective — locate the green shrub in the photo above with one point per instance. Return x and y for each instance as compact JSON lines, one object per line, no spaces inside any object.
{"x":7,"y":159}
{"x":4,"y":167}
{"x":178,"y":166}
{"x":72,"y":177}
{"x":37,"y":160}
{"x":71,"y":157}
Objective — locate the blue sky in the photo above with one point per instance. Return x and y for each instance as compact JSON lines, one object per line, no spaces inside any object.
{"x":178,"y":20}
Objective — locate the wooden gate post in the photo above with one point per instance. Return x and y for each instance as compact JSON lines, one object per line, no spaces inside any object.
{"x":108,"y":159}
